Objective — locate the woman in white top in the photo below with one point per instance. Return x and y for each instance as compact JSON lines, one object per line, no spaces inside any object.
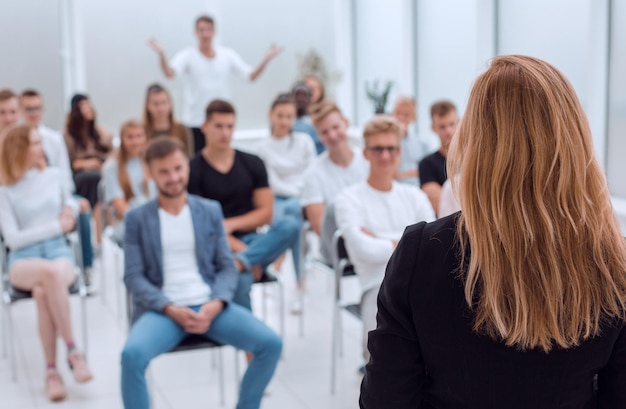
{"x":287,"y":156}
{"x":36,"y":210}
{"x":126,"y":181}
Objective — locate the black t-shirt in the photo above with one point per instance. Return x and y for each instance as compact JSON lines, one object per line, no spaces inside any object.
{"x":233,"y":189}
{"x":433,"y":169}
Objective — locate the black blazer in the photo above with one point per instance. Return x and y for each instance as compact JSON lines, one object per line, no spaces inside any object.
{"x":424,"y":353}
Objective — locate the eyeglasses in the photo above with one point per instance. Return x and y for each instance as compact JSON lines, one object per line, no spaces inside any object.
{"x":35,"y":108}
{"x":378,"y":150}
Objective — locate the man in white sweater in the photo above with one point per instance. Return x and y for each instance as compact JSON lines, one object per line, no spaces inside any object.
{"x":373,"y":214}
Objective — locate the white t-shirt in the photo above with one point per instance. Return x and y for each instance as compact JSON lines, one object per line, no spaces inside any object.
{"x":385,"y":214}
{"x":287,"y":161}
{"x":30,"y":209}
{"x":56,"y":153}
{"x":206,"y":79}
{"x":447,"y":202}
{"x":326,"y":179}
{"x":413,"y":150}
{"x":182,"y":283}
{"x":113,"y":190}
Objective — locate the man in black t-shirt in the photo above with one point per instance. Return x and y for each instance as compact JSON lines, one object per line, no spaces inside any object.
{"x":238,"y":180}
{"x":432,"y":169}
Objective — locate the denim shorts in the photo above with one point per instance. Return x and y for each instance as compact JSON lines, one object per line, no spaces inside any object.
{"x":50,"y":249}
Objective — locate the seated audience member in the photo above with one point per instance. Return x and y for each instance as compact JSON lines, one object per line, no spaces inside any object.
{"x":88,"y":146}
{"x":432,"y":169}
{"x":9,"y":110}
{"x":288,"y":155}
{"x":518,"y":301}
{"x":36,"y":210}
{"x":301,"y":94}
{"x":238,"y":181}
{"x":334,"y":170}
{"x":32,"y":109}
{"x":159,"y":118}
{"x":413,"y":148}
{"x":127,"y":184}
{"x":373,"y":214}
{"x":447,"y":202}
{"x":316,"y":85}
{"x":181,"y":275}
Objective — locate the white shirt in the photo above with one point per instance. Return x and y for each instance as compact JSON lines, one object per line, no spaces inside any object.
{"x":326,"y":179}
{"x":30,"y":209}
{"x":135,"y":169}
{"x":386,"y":214}
{"x":182,"y":283}
{"x":287,"y":161}
{"x":56,"y":153}
{"x":206,"y":79}
{"x":447,"y":202}
{"x":413,"y":150}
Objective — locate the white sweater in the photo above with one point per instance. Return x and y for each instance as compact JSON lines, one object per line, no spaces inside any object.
{"x":385,"y":214}
{"x":30,"y":209}
{"x":287,"y":160}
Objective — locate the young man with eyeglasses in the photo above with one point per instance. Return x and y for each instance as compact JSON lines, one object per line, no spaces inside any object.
{"x":373,"y":214}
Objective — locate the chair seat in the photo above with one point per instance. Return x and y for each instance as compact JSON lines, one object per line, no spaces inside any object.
{"x":267,"y":278}
{"x":348,"y":271}
{"x":17,"y":294}
{"x":193,"y":342}
{"x":354,"y":309}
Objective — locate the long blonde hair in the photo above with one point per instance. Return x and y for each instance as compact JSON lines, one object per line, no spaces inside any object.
{"x":122,"y":159}
{"x":14,"y":154}
{"x":541,"y":248}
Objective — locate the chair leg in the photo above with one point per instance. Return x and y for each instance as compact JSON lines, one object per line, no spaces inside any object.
{"x":221,"y":365}
{"x":116,"y":272}
{"x":103,"y":272}
{"x":10,"y":337}
{"x":281,"y":310}
{"x":83,"y":315}
{"x":237,"y":380}
{"x":333,"y":356}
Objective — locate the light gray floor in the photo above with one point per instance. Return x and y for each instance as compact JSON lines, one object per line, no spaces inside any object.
{"x":189,"y":380}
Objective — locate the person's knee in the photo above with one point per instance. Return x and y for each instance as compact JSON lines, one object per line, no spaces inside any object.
{"x":83,"y":205}
{"x":133,"y":358}
{"x":288,"y":226}
{"x":50,"y":273}
{"x":39,"y":294}
{"x":271,"y":344}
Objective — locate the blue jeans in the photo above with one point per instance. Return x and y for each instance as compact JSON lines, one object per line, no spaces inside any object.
{"x":84,"y":229}
{"x":289,"y":207}
{"x":262,"y":250}
{"x":155,"y":333}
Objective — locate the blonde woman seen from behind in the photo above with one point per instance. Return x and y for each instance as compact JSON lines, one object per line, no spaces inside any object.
{"x":518,"y":301}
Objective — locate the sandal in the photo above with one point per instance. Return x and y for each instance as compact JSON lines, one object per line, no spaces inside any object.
{"x":54,"y":386}
{"x":76,"y":361}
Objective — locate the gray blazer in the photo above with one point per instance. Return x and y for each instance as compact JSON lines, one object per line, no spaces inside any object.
{"x":143,"y":255}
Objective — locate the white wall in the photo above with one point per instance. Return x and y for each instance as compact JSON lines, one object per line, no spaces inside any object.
{"x":296,"y":25}
{"x":616,"y":165}
{"x":573,"y":41}
{"x":454,"y":43}
{"x":384,"y":51}
{"x":30,"y":43}
{"x":119,"y":64}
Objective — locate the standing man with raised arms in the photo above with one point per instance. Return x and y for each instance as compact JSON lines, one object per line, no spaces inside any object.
{"x":206,"y":70}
